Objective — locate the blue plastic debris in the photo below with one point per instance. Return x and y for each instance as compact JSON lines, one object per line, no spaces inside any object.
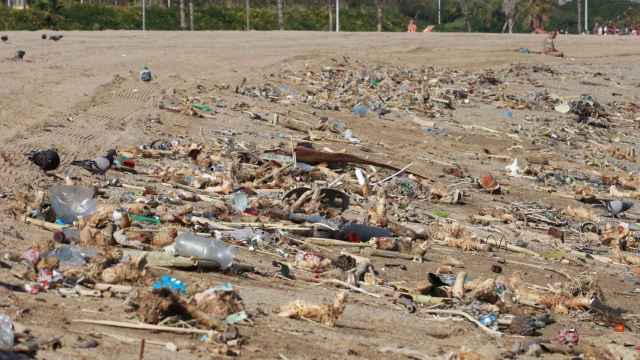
{"x":171,"y":283}
{"x":236,"y":318}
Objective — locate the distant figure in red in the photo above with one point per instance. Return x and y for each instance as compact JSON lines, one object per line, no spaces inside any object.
{"x":412,"y":27}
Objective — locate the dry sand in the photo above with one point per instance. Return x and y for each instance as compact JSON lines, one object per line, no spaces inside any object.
{"x":82,"y":96}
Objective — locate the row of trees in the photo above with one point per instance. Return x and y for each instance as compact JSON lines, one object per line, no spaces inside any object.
{"x":356,"y":15}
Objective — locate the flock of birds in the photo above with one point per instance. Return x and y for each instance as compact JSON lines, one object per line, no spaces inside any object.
{"x":5,"y":38}
{"x":21,"y":53}
{"x":49,"y":160}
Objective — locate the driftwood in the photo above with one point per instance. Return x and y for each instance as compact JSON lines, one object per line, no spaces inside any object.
{"x":44,"y":224}
{"x":468,"y":317}
{"x":458,"y":286}
{"x":161,"y":259}
{"x":350,"y":287}
{"x":331,"y":242}
{"x":143,"y":326}
{"x":311,"y":156}
{"x":387,"y":254}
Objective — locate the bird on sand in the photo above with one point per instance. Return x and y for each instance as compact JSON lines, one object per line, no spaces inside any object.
{"x":617,"y":207}
{"x":99,"y":165}
{"x":46,"y":160}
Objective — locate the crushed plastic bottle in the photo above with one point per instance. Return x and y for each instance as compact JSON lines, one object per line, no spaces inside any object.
{"x":240,"y":201}
{"x":6,"y":333}
{"x":146,"y":219}
{"x":488,"y":320}
{"x":348,"y":135}
{"x":72,"y":255}
{"x":145,"y":74}
{"x":360,"y":110}
{"x":190,"y":245}
{"x":71,"y":202}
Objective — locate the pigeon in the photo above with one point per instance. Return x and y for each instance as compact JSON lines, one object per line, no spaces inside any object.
{"x":4,"y":38}
{"x":56,"y":37}
{"x":617,"y":207}
{"x":46,"y":160}
{"x":20,"y":55}
{"x":99,"y":165}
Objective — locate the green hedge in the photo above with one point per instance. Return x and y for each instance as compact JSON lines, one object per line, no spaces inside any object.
{"x":297,"y":17}
{"x":101,"y":17}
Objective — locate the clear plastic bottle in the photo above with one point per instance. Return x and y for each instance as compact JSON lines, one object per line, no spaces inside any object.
{"x":6,"y":333}
{"x":72,"y":255}
{"x":71,"y":202}
{"x":190,"y":245}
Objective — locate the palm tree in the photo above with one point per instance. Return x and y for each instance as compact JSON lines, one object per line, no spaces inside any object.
{"x":509,"y":9}
{"x":538,"y":12}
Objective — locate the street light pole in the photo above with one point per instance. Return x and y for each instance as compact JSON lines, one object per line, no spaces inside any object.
{"x":337,"y":15}
{"x":439,"y":12}
{"x":586,"y":16}
{"x":144,"y":16}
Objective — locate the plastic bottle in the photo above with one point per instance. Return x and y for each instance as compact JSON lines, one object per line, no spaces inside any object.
{"x":240,"y":201}
{"x":71,"y":202}
{"x":67,"y":236}
{"x":6,"y":333}
{"x":190,"y":245}
{"x":360,"y":110}
{"x":72,"y":255}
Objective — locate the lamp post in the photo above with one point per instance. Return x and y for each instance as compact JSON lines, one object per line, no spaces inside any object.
{"x":337,"y":15}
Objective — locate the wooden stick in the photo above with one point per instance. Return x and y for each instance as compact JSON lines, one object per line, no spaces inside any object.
{"x":458,"y":286}
{"x":349,"y":286}
{"x":143,"y":326}
{"x":221,"y":225}
{"x":273,"y":174}
{"x":513,"y":248}
{"x":141,"y":354}
{"x":332,"y":242}
{"x":546,"y":268}
{"x":468,"y":317}
{"x":113,"y":288}
{"x":44,"y":224}
{"x":386,"y":254}
{"x":161,"y":259}
{"x":412,"y":354}
{"x":296,"y":205}
{"x":395,"y":174}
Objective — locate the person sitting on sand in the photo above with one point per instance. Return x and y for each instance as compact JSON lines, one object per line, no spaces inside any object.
{"x":549,"y":47}
{"x":412,"y":27}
